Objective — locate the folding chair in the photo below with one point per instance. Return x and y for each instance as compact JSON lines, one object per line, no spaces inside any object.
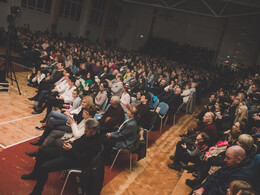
{"x":163,"y":112}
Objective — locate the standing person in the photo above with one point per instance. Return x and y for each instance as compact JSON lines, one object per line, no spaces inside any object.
{"x":76,"y":154}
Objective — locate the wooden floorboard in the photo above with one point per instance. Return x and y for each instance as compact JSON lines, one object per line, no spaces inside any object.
{"x":149,"y":176}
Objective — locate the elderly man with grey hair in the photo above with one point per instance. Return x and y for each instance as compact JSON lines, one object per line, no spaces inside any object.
{"x":77,"y":154}
{"x":238,"y":167}
{"x":113,"y":117}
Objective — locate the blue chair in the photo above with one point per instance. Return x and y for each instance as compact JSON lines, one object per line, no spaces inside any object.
{"x":98,"y":116}
{"x":163,"y":112}
{"x":103,"y":106}
{"x":155,"y":104}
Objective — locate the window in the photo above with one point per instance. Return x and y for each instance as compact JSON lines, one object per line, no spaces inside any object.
{"x":97,"y":12}
{"x":71,"y":8}
{"x":39,"y":5}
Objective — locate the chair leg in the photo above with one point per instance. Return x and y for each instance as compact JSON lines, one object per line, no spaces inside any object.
{"x":165,"y":120}
{"x":147,"y":139}
{"x":174,"y":117}
{"x":161,"y":126}
{"x":130,"y":162}
{"x":115,"y":159}
{"x":65,"y":182}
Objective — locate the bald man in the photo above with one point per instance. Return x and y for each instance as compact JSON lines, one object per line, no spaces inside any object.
{"x":238,"y":167}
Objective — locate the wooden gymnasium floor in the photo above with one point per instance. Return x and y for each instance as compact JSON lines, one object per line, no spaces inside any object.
{"x":149,"y":176}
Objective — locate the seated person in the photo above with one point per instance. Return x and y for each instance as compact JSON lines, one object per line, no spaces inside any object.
{"x":76,"y":154}
{"x":193,"y":153}
{"x":113,"y":117}
{"x":237,"y":185}
{"x":125,"y":136}
{"x":101,"y":95}
{"x":71,"y":130}
{"x":207,"y":126}
{"x":238,"y":166}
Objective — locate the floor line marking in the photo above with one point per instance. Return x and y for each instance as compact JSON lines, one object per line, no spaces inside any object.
{"x":20,"y":119}
{"x":2,"y":146}
{"x":21,"y":142}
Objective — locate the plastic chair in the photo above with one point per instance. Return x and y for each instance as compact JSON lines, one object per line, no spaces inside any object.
{"x":155,"y":104}
{"x":177,"y":111}
{"x":98,"y":157}
{"x":163,"y":112}
{"x":118,"y":151}
{"x":103,"y":106}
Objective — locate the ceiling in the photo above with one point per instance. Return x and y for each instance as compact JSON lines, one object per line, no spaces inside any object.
{"x":211,"y":8}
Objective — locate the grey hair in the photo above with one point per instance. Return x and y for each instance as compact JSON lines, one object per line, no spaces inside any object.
{"x":116,"y":99}
{"x":92,"y":124}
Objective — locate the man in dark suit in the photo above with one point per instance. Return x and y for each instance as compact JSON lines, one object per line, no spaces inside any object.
{"x":124,"y":137}
{"x":73,"y":155}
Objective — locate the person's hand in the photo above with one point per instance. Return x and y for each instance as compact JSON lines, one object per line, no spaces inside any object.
{"x":55,"y":89}
{"x":67,"y":146}
{"x":108,"y":134}
{"x":256,"y":117}
{"x":107,"y":119}
{"x":70,"y":121}
{"x":69,"y":141}
{"x":67,"y":113}
{"x":184,"y":146}
{"x":198,"y":192}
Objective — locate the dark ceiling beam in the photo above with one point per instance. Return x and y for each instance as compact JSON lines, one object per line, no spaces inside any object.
{"x":223,"y":9}
{"x":173,"y":7}
{"x":178,"y":3}
{"x":164,"y":3}
{"x":210,"y":8}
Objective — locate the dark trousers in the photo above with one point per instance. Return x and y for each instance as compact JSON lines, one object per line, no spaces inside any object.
{"x":108,"y":146}
{"x":49,"y":160}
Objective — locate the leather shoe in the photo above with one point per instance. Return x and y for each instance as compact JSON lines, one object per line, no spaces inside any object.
{"x":36,"y":143}
{"x":175,"y":167}
{"x":172,"y":157}
{"x":32,"y":99}
{"x":31,"y":154}
{"x":36,"y":112}
{"x":39,"y":128}
{"x":29,"y":176}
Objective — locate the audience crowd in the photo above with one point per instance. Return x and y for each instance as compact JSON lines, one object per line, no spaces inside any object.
{"x":105,"y":95}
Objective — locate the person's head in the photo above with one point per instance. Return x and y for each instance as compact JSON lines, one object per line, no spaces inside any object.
{"x":246,"y":192}
{"x":139,"y":95}
{"x":115,"y":101}
{"x":145,"y":98}
{"x":163,"y":82}
{"x":242,"y":111}
{"x":131,"y":113}
{"x":119,"y":78}
{"x":177,"y":91}
{"x":82,"y":66}
{"x":236,"y":125}
{"x":103,"y":86}
{"x":75,"y":93}
{"x":208,"y":118}
{"x":234,"y":156}
{"x":86,"y":100}
{"x":233,"y":135}
{"x":237,"y":185}
{"x":202,"y":137}
{"x":236,"y":101}
{"x":91,"y":127}
{"x":246,"y":141}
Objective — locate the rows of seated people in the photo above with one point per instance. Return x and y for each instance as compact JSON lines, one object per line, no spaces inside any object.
{"x":224,"y":148}
{"x":77,"y":78}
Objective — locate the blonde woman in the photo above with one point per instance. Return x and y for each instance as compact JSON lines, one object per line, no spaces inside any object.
{"x":241,"y":113}
{"x":247,"y":142}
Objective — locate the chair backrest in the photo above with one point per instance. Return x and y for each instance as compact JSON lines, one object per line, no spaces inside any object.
{"x":163,"y":108}
{"x":103,"y":106}
{"x":107,"y":107}
{"x":155,"y":104}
